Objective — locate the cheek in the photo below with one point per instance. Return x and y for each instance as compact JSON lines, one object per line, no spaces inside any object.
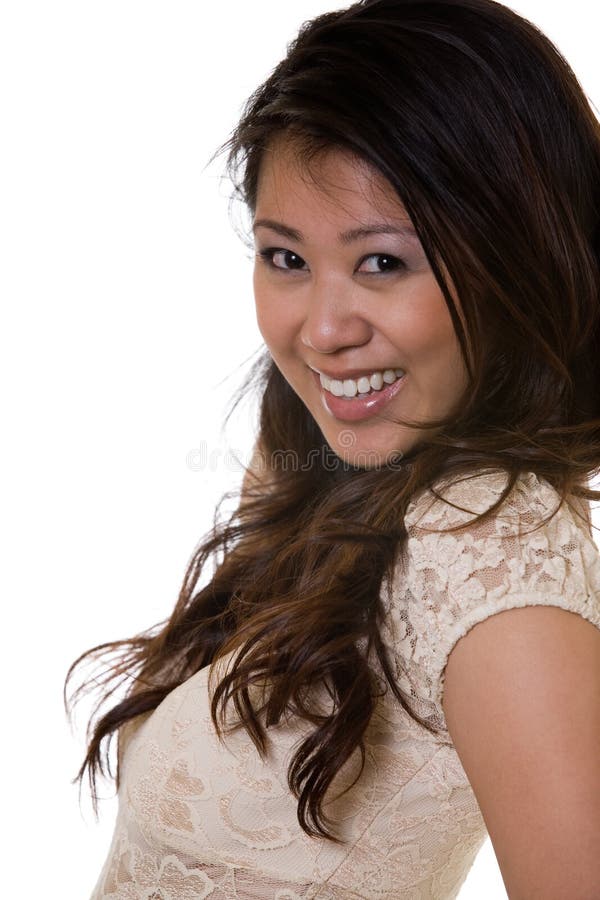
{"x":276,"y":318}
{"x":272,"y":324}
{"x":264,"y":309}
{"x":442,"y":367}
{"x":426,"y":335}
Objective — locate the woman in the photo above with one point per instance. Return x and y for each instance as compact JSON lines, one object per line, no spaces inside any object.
{"x":398,"y":651}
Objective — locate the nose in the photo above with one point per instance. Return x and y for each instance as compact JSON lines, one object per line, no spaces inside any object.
{"x":333,"y":321}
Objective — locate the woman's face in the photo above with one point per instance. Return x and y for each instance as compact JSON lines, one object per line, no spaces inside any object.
{"x":343,"y":288}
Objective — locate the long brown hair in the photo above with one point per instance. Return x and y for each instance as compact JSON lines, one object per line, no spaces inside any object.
{"x":483,"y":131}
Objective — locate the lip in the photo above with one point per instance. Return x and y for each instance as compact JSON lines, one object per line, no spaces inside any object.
{"x":352,"y":373}
{"x":356,"y":408}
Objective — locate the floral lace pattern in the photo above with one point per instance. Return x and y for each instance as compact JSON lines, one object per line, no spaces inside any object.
{"x":201,"y":818}
{"x":452,"y":581}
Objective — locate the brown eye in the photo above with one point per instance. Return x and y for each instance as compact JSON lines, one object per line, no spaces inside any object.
{"x":385,"y":263}
{"x":286,"y":259}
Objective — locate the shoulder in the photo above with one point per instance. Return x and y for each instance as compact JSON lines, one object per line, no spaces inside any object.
{"x":528,"y":541}
{"x":529,"y":553}
{"x":455,"y":501}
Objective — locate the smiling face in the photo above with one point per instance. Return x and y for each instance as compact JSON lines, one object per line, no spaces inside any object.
{"x":343,"y":286}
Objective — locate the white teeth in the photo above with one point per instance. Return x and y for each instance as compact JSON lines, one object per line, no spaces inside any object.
{"x":377,"y":381}
{"x":350,"y":388}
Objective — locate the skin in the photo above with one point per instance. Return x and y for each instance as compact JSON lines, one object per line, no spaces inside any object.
{"x":341,"y":306}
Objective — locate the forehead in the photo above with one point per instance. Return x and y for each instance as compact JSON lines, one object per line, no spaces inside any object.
{"x":326,"y":178}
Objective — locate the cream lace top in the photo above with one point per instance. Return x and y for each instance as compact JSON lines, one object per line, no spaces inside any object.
{"x":199,"y":818}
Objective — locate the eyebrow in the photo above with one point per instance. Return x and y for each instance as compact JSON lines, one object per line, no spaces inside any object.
{"x":345,"y":237}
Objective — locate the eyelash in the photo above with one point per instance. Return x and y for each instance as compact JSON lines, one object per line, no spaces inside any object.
{"x":268,"y":253}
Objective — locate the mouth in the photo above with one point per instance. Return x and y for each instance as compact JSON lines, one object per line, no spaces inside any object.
{"x":361,"y":406}
{"x":376,"y":377}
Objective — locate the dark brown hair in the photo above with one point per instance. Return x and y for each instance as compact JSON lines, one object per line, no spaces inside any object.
{"x":484,"y":133}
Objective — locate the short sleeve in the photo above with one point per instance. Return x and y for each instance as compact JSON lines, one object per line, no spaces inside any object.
{"x":448,"y":582}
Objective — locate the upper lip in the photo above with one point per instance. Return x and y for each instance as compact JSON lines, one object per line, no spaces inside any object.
{"x":353,"y":373}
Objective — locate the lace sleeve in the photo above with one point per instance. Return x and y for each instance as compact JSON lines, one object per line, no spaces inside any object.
{"x":451,"y":581}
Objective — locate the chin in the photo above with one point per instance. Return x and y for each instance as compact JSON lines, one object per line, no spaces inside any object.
{"x":362,"y":455}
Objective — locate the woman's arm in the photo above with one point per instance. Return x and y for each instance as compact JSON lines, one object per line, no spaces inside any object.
{"x":522,"y":706}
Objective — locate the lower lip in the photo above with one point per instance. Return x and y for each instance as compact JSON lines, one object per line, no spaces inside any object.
{"x":353,"y":409}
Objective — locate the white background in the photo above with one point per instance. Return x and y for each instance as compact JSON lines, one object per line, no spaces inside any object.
{"x":127,"y":322}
